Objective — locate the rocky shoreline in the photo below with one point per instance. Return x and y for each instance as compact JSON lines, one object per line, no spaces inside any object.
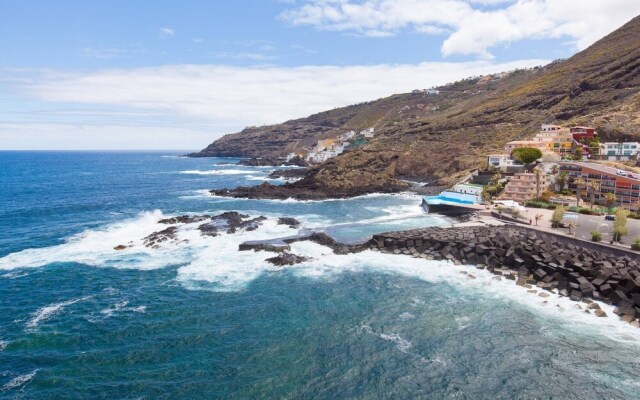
{"x":532,"y":258}
{"x":334,"y":179}
{"x":306,"y":190}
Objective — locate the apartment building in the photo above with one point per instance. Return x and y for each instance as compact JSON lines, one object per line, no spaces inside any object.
{"x":522,"y":186}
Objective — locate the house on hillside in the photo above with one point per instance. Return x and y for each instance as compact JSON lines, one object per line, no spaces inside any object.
{"x":504,"y":163}
{"x":367,"y":133}
{"x":623,"y":151}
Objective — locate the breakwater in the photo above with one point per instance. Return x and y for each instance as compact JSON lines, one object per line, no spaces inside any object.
{"x":573,"y":268}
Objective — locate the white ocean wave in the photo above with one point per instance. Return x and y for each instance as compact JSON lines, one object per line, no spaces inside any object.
{"x":49,"y":311}
{"x":19,"y":380}
{"x":3,"y":344}
{"x":402,"y":344}
{"x":220,"y":172}
{"x":121,"y":307}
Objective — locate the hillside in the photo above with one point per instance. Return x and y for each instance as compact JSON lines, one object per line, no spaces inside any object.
{"x":442,"y":136}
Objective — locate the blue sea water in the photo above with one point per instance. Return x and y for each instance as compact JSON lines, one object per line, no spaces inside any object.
{"x":195,"y":318}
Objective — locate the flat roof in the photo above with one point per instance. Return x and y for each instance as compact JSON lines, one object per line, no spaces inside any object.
{"x":602,"y":168}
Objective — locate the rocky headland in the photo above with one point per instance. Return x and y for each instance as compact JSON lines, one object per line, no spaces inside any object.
{"x":333,"y":180}
{"x":447,"y":134}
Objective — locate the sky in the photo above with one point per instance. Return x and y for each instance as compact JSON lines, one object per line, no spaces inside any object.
{"x":159,"y":74}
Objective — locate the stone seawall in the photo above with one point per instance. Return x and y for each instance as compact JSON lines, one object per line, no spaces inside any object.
{"x":574,"y":268}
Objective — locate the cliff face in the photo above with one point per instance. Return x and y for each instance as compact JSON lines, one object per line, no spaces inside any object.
{"x":442,"y":136}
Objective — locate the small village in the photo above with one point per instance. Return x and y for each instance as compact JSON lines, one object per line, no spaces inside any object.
{"x":562,"y":179}
{"x":328,"y":148}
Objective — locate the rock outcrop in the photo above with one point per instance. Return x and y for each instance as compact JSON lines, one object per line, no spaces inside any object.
{"x":286,"y":258}
{"x":335,"y":180}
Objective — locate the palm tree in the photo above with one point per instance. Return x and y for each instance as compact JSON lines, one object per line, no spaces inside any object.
{"x":554,"y":169}
{"x":609,"y":200}
{"x":538,"y":217}
{"x":537,"y":173}
{"x":593,"y":187}
{"x":561,"y":179}
{"x":579,"y":182}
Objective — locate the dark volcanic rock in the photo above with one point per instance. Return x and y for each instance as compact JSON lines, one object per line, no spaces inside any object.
{"x":287,"y":259}
{"x":209,"y":229}
{"x":164,"y":235}
{"x":288,"y":173}
{"x":273,"y":162}
{"x":184,"y":219}
{"x":326,"y":240}
{"x":248,"y":225}
{"x":291,"y":222}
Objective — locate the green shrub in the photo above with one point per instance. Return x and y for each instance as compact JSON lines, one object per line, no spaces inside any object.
{"x":556,"y":218}
{"x":526,"y":155}
{"x":596,"y":236}
{"x":633,"y":216}
{"x":636,"y":244}
{"x":584,"y":210}
{"x":537,"y":204}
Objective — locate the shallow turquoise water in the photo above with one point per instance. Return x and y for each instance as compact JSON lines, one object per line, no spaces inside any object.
{"x":201,"y":320}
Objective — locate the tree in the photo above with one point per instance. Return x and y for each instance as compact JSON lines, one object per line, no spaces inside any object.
{"x":556,"y":218}
{"x":593,"y":187}
{"x":554,"y":169}
{"x":609,"y":200}
{"x":620,"y":224}
{"x":538,"y":217}
{"x":579,"y":182}
{"x":537,"y":173}
{"x":526,"y":155}
{"x":577,"y":154}
{"x":561,"y":179}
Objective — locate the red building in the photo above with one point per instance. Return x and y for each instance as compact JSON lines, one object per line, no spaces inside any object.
{"x":583,"y":132}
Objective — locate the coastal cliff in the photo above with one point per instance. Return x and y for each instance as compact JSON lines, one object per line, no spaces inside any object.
{"x":439,"y":137}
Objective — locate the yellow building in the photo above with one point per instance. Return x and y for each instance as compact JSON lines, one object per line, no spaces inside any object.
{"x":557,"y":140}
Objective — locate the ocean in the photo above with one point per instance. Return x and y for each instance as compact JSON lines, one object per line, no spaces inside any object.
{"x":195,"y":318}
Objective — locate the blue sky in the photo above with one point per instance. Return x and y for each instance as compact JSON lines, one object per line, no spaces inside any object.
{"x":177,"y":74}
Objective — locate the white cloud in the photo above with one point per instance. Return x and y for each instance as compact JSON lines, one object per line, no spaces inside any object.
{"x":472,"y":28}
{"x":202,"y":102}
{"x":166,"y":32}
{"x":70,"y":136}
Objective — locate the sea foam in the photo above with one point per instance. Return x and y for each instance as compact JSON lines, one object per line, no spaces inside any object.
{"x":49,"y":311}
{"x":19,"y":380}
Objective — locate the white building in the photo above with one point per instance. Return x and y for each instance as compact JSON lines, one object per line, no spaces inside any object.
{"x":345,"y":137}
{"x":433,"y":91}
{"x":469,"y":189}
{"x":502,"y":161}
{"x":368,"y":133}
{"x":619,"y":151}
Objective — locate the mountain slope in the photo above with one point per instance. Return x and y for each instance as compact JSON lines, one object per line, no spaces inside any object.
{"x":441,"y":136}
